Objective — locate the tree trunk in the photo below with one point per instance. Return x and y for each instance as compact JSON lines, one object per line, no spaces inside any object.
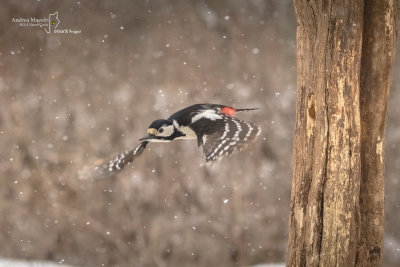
{"x":378,"y":49}
{"x":345,"y":51}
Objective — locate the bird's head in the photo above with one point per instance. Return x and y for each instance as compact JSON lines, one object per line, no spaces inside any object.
{"x":160,"y":131}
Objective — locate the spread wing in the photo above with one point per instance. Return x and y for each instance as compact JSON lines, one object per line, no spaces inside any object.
{"x":114,"y":165}
{"x":224,"y":136}
{"x":123,"y":159}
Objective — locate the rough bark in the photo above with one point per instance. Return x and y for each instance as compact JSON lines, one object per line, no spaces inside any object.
{"x":378,"y":48}
{"x":333,"y":151}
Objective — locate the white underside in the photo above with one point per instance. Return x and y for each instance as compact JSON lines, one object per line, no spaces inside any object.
{"x":166,"y":141}
{"x":158,"y":140}
{"x":186,"y":138}
{"x":188,"y":132}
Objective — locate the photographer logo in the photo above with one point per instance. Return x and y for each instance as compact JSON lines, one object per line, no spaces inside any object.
{"x":49,"y":24}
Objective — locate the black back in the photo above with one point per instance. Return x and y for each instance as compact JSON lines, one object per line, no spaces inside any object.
{"x":184,"y":116}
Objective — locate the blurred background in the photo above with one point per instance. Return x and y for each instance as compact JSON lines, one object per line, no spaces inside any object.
{"x":67,"y":100}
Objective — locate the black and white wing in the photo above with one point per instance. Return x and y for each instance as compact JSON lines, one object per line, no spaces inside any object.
{"x":223,"y":136}
{"x":114,"y":165}
{"x":123,"y":159}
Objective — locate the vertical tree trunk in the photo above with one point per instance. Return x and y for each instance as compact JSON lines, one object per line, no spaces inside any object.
{"x":338,"y":143}
{"x":378,"y":49}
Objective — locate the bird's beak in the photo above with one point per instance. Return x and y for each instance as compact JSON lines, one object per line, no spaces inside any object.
{"x":152,"y":134}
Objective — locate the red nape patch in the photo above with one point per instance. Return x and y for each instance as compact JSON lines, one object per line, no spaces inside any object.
{"x":228,"y":111}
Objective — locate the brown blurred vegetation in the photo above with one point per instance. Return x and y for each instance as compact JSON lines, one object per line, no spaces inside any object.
{"x":68,"y":100}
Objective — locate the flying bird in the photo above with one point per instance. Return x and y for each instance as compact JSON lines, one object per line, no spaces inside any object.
{"x":213,"y":126}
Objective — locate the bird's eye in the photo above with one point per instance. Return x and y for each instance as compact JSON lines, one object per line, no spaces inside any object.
{"x":161,"y":130}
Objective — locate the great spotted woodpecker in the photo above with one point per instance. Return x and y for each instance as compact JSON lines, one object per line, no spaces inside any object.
{"x":213,"y":125}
